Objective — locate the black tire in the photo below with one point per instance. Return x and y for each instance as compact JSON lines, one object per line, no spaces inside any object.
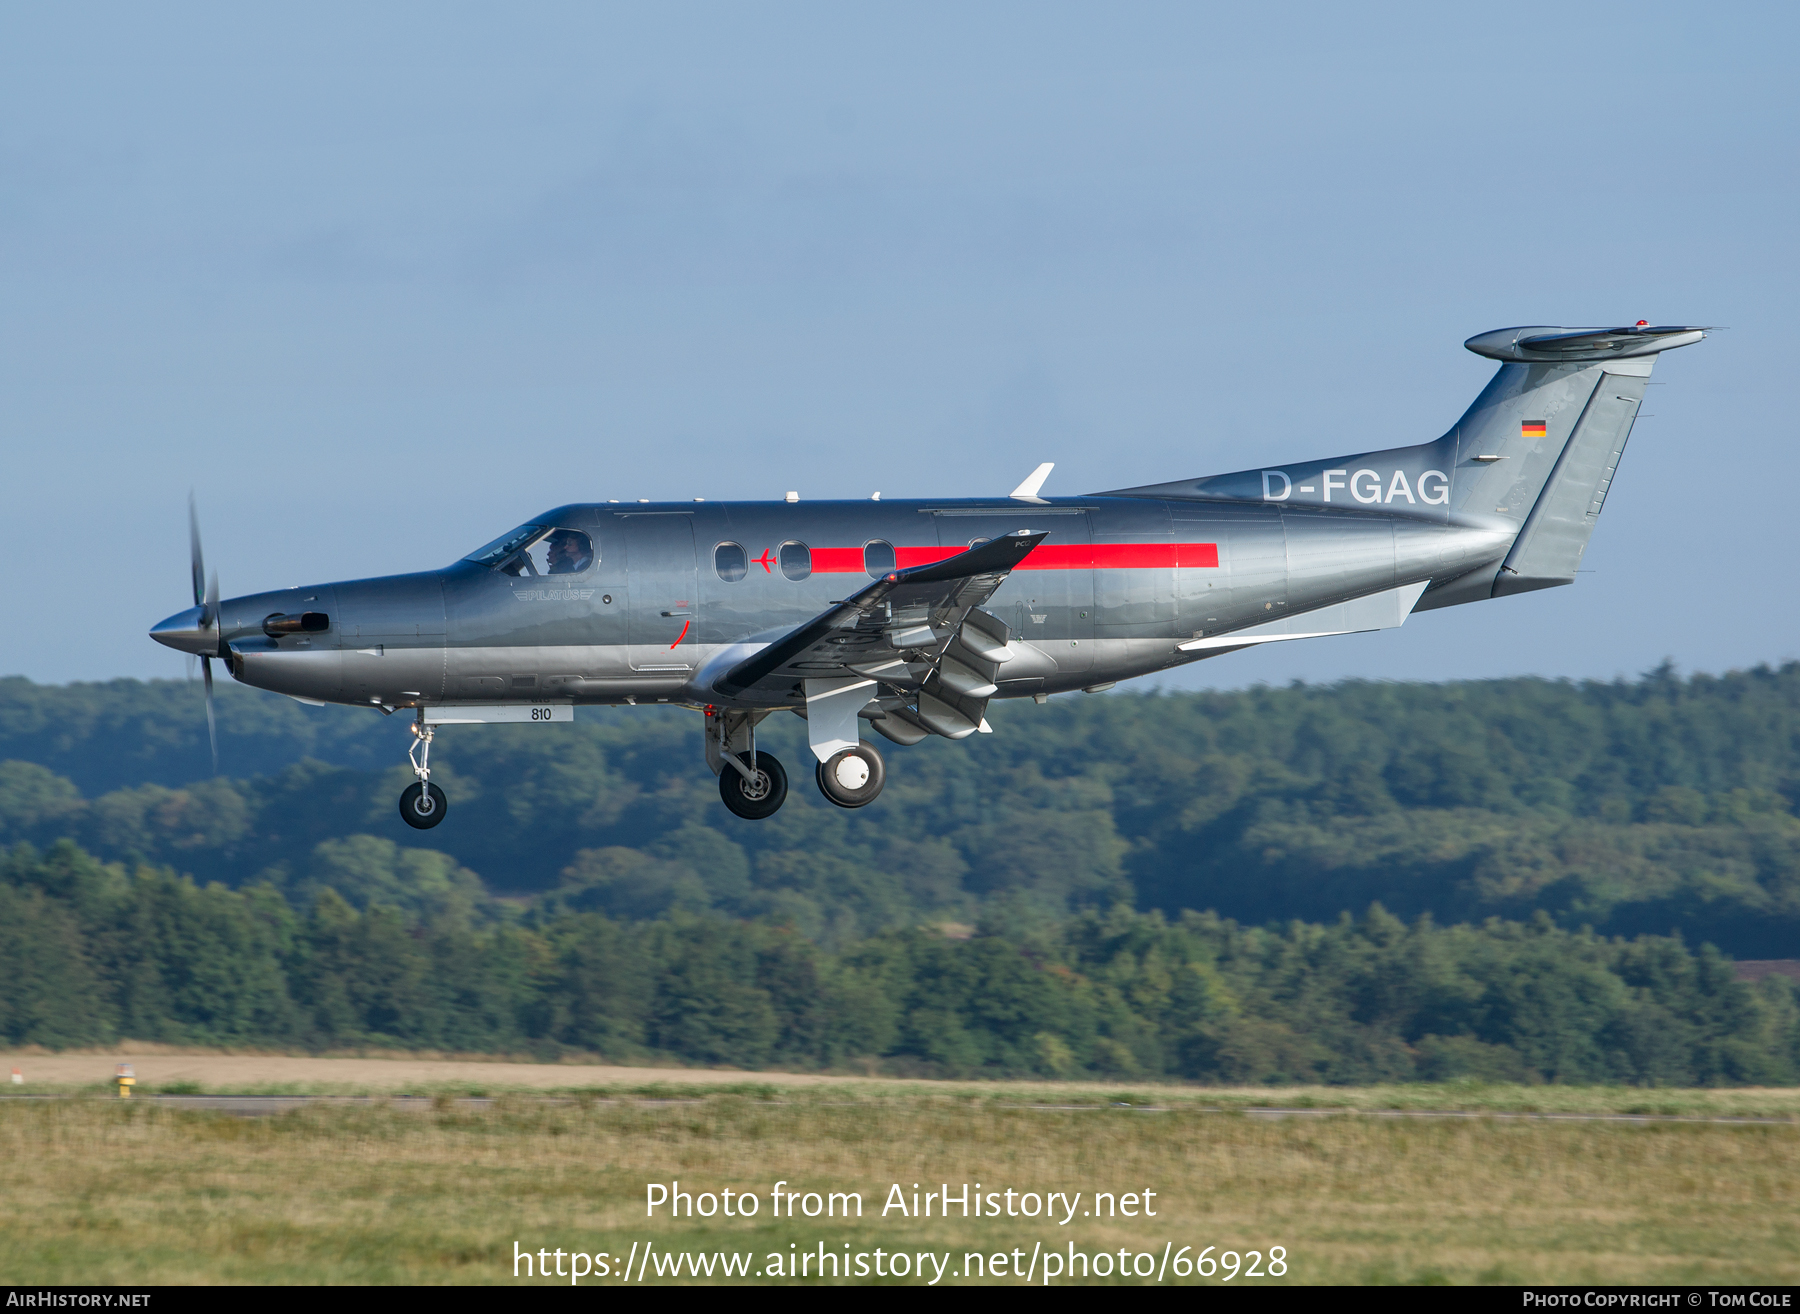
{"x":850,"y":763}
{"x":422,"y":810}
{"x":749,"y":801}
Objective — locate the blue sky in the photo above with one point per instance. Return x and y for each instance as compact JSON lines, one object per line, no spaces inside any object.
{"x":379,"y":285}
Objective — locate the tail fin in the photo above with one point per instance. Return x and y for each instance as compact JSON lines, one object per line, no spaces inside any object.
{"x":1532,"y":457}
{"x":1543,"y":440}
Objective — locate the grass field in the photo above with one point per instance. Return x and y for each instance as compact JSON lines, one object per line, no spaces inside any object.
{"x":110,"y":1191}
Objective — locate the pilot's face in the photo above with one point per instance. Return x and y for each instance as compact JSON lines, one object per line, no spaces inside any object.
{"x":562,"y":550}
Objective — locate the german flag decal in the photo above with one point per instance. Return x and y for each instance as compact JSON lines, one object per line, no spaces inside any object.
{"x":1532,"y":429}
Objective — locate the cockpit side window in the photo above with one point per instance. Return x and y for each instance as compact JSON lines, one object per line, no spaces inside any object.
{"x":538,"y":550}
{"x":564,"y":552}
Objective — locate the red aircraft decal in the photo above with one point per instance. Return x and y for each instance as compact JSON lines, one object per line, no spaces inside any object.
{"x":763,"y":561}
{"x":1050,"y":556}
{"x":682,"y":635}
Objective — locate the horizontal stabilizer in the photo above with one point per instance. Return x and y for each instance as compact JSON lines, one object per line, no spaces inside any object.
{"x":1546,"y":343}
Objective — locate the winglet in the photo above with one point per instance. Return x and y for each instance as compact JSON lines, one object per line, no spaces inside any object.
{"x":1028,"y":491}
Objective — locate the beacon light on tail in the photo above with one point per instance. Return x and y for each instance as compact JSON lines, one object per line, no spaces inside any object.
{"x":906,"y":618}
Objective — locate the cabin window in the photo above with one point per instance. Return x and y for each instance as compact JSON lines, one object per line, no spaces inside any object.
{"x":796,"y":560}
{"x":878,"y":558}
{"x":731,"y":562}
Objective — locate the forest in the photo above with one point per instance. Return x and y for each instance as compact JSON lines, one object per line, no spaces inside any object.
{"x":1349,"y":882}
{"x":96,"y":953}
{"x":1635,"y":807}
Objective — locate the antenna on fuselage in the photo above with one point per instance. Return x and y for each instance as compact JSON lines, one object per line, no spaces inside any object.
{"x":1028,"y":491}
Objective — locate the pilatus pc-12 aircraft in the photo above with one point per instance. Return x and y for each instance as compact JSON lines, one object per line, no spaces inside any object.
{"x":908,"y":617}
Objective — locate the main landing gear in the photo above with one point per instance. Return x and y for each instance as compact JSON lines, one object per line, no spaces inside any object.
{"x":853,"y":777}
{"x":754,"y":784}
{"x":422,"y":805}
{"x":756,"y":787}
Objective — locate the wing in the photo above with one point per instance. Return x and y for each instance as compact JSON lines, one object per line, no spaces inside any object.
{"x":910,"y":630}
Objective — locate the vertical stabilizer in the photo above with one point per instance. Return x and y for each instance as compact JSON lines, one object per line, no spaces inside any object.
{"x":1577,"y":452}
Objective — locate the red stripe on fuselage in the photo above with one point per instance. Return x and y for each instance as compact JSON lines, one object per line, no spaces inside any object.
{"x":837,"y":561}
{"x":1048,"y":556}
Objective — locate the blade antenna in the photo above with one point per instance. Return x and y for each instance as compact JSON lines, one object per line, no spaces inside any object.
{"x":1028,"y":491}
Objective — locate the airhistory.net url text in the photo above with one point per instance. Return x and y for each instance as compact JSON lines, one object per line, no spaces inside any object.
{"x":646,"y":1261}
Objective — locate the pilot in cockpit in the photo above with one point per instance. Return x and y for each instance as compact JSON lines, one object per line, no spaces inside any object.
{"x":567,"y":552}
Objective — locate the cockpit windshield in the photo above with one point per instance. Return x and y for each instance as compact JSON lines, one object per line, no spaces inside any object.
{"x":537,"y":550}
{"x":504,"y":546}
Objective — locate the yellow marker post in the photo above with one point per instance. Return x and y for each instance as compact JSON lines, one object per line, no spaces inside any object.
{"x":126,"y":1078}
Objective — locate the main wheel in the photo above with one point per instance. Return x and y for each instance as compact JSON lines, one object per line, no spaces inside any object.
{"x":754,"y":799}
{"x":423,"y":806}
{"x":852,"y":778}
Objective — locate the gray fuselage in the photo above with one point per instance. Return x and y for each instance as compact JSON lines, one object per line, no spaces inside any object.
{"x":1117,"y":585}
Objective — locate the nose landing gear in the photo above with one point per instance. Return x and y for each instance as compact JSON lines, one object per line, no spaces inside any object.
{"x":422,"y":805}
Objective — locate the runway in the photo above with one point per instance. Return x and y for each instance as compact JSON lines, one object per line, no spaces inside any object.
{"x":269,"y":1105}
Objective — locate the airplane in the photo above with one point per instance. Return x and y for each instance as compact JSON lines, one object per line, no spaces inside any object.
{"x":908,"y":617}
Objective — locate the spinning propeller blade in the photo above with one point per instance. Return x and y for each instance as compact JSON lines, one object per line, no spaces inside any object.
{"x":212,"y":726}
{"x":206,"y":597}
{"x":196,"y":559}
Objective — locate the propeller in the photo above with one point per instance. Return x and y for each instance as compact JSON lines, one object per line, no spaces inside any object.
{"x":206,"y":597}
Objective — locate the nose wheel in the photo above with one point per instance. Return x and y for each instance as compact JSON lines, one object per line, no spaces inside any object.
{"x":852,"y":778}
{"x":422,"y":805}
